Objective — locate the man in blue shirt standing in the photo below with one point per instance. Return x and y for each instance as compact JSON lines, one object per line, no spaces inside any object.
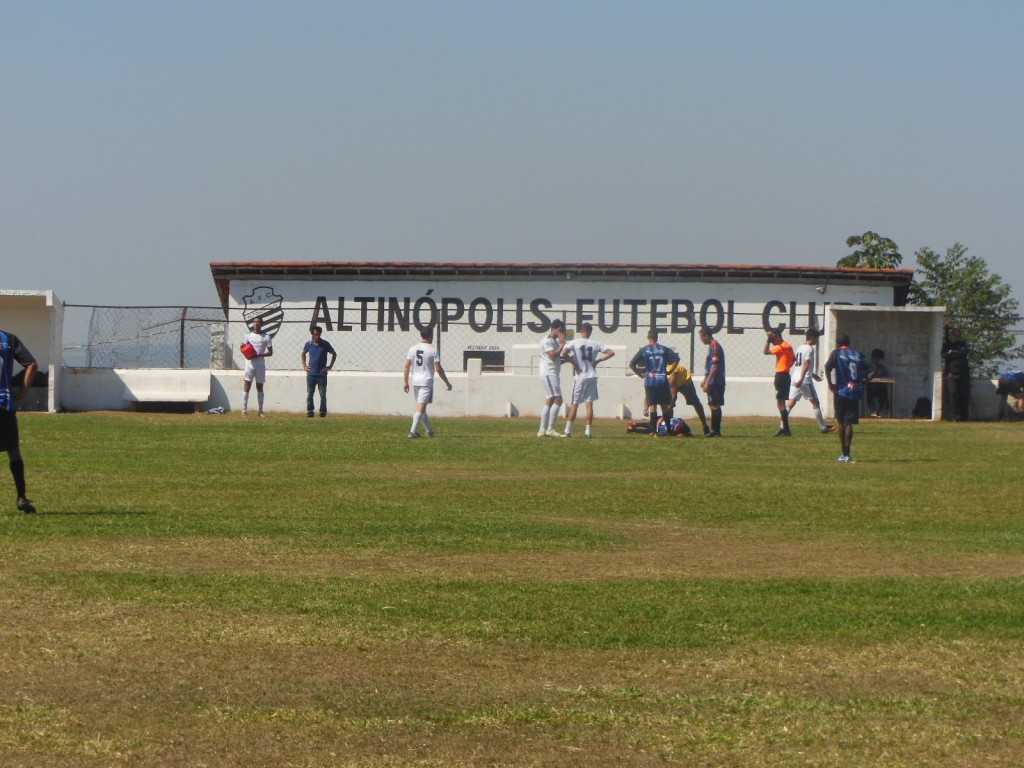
{"x":11,"y":349}
{"x":656,"y":359}
{"x":316,"y":365}
{"x":846,"y":371}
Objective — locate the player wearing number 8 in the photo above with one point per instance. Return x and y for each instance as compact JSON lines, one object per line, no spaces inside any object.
{"x":846,"y":371}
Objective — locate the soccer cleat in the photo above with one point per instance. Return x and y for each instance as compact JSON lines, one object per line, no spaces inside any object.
{"x":783,"y":433}
{"x":542,"y":433}
{"x":844,"y":459}
{"x":309,"y":415}
{"x":553,"y":433}
{"x":414,"y":435}
{"x":430,"y":433}
{"x":245,"y":411}
{"x":712,"y":434}
{"x":25,"y":505}
{"x":587,"y":436}
{"x":830,"y":428}
{"x":263,"y":415}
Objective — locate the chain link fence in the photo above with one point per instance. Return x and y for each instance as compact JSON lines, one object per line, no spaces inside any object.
{"x":201,"y":337}
{"x":149,"y":337}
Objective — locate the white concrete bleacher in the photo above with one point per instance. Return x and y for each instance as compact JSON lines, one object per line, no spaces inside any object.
{"x":162,"y":385}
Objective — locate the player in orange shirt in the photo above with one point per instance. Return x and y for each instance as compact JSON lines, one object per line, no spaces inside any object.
{"x":784,"y":357}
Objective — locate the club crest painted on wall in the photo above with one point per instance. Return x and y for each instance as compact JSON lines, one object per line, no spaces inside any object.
{"x":263,"y":302}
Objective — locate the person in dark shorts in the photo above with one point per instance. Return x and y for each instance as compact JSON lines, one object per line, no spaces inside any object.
{"x":714,"y":380}
{"x":651,"y":363}
{"x":846,"y":371}
{"x":11,"y":350}
{"x":1010,"y":384}
{"x":681,"y":383}
{"x":784,"y":357}
{"x":878,"y":394}
{"x":955,"y":355}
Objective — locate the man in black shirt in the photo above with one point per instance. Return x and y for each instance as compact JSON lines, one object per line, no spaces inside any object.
{"x":958,"y":375}
{"x":11,"y":349}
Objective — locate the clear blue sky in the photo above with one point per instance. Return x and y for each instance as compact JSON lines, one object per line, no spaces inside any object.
{"x":143,"y":140}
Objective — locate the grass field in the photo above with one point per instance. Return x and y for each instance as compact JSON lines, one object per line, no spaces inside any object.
{"x":212,"y":591}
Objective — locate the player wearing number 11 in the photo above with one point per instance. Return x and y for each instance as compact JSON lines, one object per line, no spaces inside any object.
{"x":584,"y":354}
{"x":422,"y":362}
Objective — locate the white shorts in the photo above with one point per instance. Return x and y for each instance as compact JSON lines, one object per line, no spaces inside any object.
{"x":552,"y":386}
{"x":806,"y":389}
{"x":424,"y":393}
{"x":255,"y":371}
{"x":584,"y":391}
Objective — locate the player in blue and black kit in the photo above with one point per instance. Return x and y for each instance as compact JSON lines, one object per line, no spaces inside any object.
{"x":714,"y":380}
{"x":1010,"y":383}
{"x":846,"y":371}
{"x":655,"y":358}
{"x":11,"y":349}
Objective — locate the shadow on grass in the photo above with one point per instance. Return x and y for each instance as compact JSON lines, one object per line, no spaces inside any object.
{"x":89,"y":513}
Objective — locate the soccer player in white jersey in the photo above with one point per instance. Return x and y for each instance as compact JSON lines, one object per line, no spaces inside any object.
{"x":422,"y":362}
{"x":256,"y":368}
{"x":802,"y":378}
{"x":550,"y":379}
{"x":584,"y":354}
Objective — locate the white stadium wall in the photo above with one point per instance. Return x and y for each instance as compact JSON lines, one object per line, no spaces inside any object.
{"x":372,"y":323}
{"x":489,"y":321}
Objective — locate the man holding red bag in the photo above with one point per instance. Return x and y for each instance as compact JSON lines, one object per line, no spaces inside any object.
{"x":255,"y":367}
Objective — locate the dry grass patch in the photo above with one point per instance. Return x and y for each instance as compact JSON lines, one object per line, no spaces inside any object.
{"x":211,"y":688}
{"x":454,"y":603}
{"x":658,"y":550}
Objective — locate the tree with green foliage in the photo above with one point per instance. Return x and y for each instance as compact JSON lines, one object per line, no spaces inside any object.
{"x":873,"y":251}
{"x":976,"y":301}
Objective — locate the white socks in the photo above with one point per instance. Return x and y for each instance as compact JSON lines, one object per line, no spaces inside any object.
{"x":820,"y":417}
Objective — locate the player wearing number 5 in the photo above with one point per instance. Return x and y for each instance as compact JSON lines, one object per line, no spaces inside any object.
{"x":584,"y":354}
{"x":422,"y":362}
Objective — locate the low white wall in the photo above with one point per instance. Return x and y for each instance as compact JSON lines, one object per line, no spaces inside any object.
{"x":380,"y":394}
{"x":473,"y":393}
